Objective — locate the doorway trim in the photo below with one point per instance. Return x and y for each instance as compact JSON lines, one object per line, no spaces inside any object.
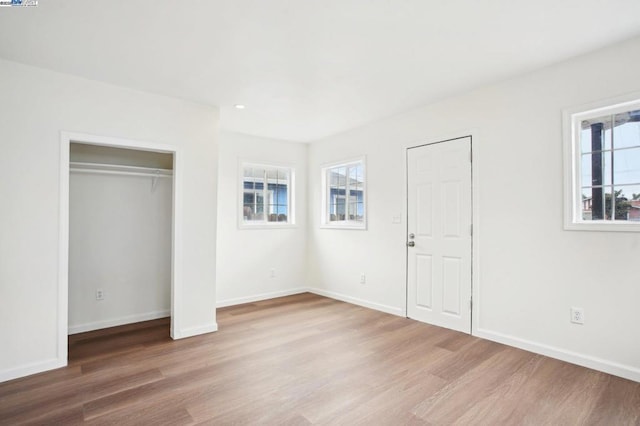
{"x":66,"y":138}
{"x":475,"y":217}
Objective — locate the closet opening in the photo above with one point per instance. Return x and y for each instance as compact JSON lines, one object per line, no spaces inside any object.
{"x":119,"y":277}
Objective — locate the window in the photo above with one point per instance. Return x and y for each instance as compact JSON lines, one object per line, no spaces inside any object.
{"x":344,"y":198}
{"x":603,"y":167}
{"x":266,"y":195}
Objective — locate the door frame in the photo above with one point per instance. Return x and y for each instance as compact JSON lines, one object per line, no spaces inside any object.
{"x":66,"y":138}
{"x":475,"y":210}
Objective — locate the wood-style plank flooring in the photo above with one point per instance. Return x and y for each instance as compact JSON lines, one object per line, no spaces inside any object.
{"x":306,"y":359}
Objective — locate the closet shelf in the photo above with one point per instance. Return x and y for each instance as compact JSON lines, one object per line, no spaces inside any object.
{"x":116,"y":169}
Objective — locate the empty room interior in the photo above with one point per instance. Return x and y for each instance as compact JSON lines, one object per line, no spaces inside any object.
{"x":339,"y":212}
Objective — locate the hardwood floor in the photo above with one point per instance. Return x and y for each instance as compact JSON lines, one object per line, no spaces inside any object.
{"x":306,"y":359}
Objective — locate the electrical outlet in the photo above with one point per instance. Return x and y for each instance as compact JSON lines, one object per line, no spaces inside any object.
{"x":363,"y":278}
{"x":577,"y":315}
{"x":99,"y":294}
{"x":272,"y":273}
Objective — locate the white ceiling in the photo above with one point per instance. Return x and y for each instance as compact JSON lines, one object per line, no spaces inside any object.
{"x":306,"y":69}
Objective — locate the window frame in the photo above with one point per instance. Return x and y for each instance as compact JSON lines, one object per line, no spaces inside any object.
{"x":572,"y":118}
{"x":325,"y":221}
{"x":264,"y":223}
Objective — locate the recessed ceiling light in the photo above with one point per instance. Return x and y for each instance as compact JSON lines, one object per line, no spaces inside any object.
{"x":239,"y":106}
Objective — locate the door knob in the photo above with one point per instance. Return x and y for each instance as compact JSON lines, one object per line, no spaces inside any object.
{"x":411,"y":244}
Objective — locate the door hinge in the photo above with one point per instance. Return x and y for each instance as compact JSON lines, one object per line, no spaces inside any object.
{"x":471,"y":229}
{"x":471,"y":304}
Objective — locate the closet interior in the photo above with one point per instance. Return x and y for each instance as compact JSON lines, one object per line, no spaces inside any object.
{"x":120,"y":236}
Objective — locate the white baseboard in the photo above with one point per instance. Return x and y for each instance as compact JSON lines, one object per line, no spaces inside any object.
{"x":360,"y":302}
{"x":33,"y":368}
{"x":258,"y":297}
{"x":97,"y":325}
{"x":616,"y":369}
{"x":333,"y":295}
{"x":194,"y":331}
{"x":594,"y":363}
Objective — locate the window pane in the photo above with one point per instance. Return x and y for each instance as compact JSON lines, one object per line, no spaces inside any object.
{"x":260,"y":202}
{"x":252,"y":208}
{"x":352,"y":181}
{"x":283,"y":176}
{"x":332,"y":176}
{"x":609,"y":174}
{"x":360,"y":212}
{"x":596,"y":169}
{"x":345,"y":193}
{"x":630,"y":195}
{"x":352,"y":210}
{"x":596,"y":203}
{"x":258,"y":173}
{"x":621,"y":205}
{"x":627,"y":130}
{"x":248,"y":182}
{"x":272,"y":175}
{"x":247,"y":211}
{"x":596,"y":134}
{"x":337,"y":193}
{"x":608,"y":191}
{"x":356,"y":176}
{"x":250,"y":201}
{"x":281,"y":195}
{"x":355,"y":191}
{"x":271,"y":205}
{"x":353,"y":175}
{"x":359,"y":174}
{"x":587,"y":204}
{"x":627,"y":166}
{"x":340,"y":207}
{"x":630,"y":192}
{"x":341,"y":174}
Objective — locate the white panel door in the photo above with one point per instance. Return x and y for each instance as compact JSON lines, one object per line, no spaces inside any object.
{"x":439,"y":234}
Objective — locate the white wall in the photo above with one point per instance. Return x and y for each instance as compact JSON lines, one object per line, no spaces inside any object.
{"x":528,"y":270}
{"x":36,"y":105}
{"x":246,"y":256}
{"x":120,"y":243}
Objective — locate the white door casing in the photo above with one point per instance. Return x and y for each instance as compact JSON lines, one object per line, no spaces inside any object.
{"x":177,"y":311}
{"x":439,"y":218}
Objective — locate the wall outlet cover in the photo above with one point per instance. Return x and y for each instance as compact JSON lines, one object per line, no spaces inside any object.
{"x":577,"y":315}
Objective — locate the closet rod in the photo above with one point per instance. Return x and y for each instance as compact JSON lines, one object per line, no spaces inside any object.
{"x":115,"y":169}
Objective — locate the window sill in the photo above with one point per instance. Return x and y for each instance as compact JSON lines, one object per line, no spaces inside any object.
{"x":602,"y":226}
{"x":353,"y":227}
{"x":267,"y":226}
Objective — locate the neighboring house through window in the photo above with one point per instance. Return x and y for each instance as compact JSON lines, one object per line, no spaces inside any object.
{"x":266,"y":195}
{"x":602,"y":150}
{"x":344,"y":197}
